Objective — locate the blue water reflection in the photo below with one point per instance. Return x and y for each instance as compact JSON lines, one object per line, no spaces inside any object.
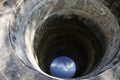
{"x":63,"y":67}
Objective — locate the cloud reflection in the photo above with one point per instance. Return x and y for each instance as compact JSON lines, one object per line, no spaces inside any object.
{"x":63,"y":67}
{"x":66,"y":67}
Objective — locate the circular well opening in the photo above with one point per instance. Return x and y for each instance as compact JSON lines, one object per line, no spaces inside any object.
{"x":70,"y":37}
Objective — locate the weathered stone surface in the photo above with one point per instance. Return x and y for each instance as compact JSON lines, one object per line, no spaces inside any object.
{"x":11,"y":65}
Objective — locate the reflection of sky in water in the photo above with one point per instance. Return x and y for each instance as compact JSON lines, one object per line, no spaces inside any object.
{"x":63,"y":67}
